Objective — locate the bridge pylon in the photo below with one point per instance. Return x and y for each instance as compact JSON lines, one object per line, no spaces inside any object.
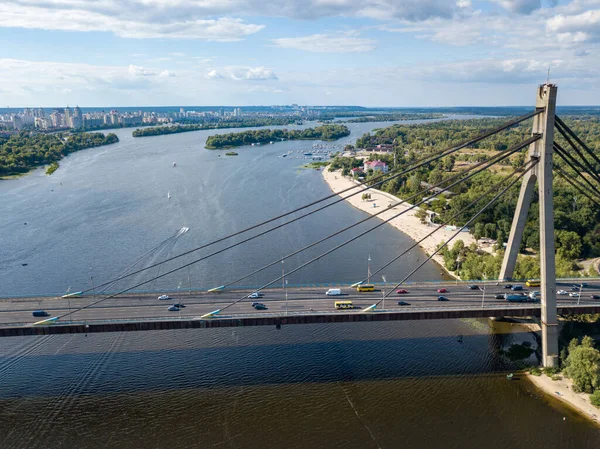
{"x":541,"y":150}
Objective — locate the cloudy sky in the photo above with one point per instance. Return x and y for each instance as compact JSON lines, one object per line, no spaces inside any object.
{"x":252,"y":52}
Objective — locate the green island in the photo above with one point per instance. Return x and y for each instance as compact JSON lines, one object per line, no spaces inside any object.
{"x":20,"y":153}
{"x":392,"y":117}
{"x":245,"y":123}
{"x":577,"y":222}
{"x":316,"y":164}
{"x":231,"y":140}
{"x":52,"y":168}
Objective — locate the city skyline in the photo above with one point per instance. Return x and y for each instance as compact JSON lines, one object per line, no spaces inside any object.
{"x":429,"y":53}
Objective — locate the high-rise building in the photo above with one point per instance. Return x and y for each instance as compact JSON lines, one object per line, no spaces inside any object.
{"x":68,"y":117}
{"x":77,"y":121}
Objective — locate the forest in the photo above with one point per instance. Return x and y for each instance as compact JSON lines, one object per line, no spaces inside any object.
{"x":242,"y":123}
{"x":577,"y":220}
{"x":26,"y":150}
{"x":323,"y":132}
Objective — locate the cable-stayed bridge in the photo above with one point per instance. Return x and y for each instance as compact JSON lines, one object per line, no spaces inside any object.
{"x":224,"y":306}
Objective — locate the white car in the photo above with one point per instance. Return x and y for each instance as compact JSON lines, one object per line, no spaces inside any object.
{"x":253,"y":295}
{"x":161,"y":297}
{"x":562,"y":292}
{"x":574,"y":294}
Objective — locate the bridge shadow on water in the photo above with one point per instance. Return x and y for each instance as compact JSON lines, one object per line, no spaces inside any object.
{"x":117,"y":366}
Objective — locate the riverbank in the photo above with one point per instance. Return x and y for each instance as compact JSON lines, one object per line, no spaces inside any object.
{"x":407,"y":223}
{"x":562,"y":390}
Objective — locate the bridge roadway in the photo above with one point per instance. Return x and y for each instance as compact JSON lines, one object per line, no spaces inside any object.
{"x":303,"y":306}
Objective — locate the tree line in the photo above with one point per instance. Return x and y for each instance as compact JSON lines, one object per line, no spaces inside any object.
{"x":323,"y":132}
{"x":26,"y":150}
{"x":242,"y":123}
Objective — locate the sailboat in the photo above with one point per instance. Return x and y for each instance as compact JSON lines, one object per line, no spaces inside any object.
{"x":174,"y":164}
{"x":168,"y":195}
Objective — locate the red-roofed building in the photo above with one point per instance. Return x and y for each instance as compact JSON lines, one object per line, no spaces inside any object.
{"x":377,"y":166}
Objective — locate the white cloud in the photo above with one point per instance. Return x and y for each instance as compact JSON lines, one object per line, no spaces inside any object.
{"x":326,"y":43}
{"x":520,"y":6}
{"x":242,"y":73}
{"x":202,"y":19}
{"x":135,"y":70}
{"x":576,"y":28}
{"x":131,"y":19}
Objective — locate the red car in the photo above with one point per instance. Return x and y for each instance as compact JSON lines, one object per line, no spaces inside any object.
{"x":442,"y":290}
{"x":401,"y":291}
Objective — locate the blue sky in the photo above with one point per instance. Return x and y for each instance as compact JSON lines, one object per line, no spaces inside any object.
{"x":344,"y":52}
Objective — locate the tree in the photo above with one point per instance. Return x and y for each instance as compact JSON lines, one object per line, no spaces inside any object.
{"x":421,"y":214}
{"x":568,"y":244}
{"x":478,"y":231}
{"x":595,"y":398}
{"x":583,"y":366}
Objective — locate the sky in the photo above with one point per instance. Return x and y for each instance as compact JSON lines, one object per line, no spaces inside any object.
{"x":393,"y":53}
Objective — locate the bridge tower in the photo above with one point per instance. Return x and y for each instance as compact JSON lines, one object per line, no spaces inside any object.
{"x":541,"y":150}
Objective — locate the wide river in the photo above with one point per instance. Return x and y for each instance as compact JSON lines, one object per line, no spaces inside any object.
{"x":427,"y":384}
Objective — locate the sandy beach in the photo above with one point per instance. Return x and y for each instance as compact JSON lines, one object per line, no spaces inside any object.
{"x":406,"y":223}
{"x":563,"y":390}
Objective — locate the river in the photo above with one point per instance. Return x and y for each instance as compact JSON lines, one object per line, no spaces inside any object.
{"x":426,"y":384}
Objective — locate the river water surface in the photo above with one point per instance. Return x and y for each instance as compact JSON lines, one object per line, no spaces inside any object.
{"x":426,"y":384}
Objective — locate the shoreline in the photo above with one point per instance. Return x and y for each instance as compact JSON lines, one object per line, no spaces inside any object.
{"x":562,"y":390}
{"x":407,"y":223}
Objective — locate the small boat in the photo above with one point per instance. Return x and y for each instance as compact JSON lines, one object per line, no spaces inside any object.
{"x":174,"y":164}
{"x":510,"y":376}
{"x":168,"y":195}
{"x":231,"y":153}
{"x":284,"y":155}
{"x":307,"y":154}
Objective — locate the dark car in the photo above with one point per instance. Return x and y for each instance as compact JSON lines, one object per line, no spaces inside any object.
{"x":38,"y":313}
{"x":595,"y":296}
{"x":260,"y":306}
{"x":500,"y":296}
{"x":517,"y":287}
{"x":403,"y":303}
{"x":508,"y":286}
{"x":473,"y":287}
{"x":442,"y":298}
{"x":583,"y":284}
{"x":173,"y":309}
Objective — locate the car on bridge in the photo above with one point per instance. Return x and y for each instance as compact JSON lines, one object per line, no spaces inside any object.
{"x":574,"y":295}
{"x":162,"y":297}
{"x":401,"y":291}
{"x":500,"y":296}
{"x":562,"y":292}
{"x":403,"y":303}
{"x":38,"y":313}
{"x":254,"y":295}
{"x":474,"y":287}
{"x":173,"y":308}
{"x":595,"y":296}
{"x":260,"y":306}
{"x":517,"y":287}
{"x":442,"y":298}
{"x":442,"y":290}
{"x":508,"y":286}
{"x":583,"y":284}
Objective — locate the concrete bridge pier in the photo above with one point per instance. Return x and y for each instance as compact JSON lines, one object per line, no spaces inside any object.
{"x":542,"y":151}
